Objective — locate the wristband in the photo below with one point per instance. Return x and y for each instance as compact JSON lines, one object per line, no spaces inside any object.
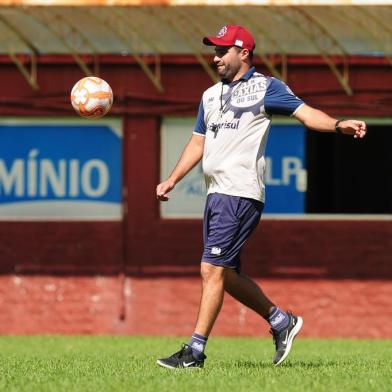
{"x":337,"y":128}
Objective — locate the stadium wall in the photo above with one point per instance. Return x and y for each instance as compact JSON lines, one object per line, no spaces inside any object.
{"x":140,"y":275}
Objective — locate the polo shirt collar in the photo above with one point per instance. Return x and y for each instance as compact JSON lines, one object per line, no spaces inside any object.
{"x":246,"y":76}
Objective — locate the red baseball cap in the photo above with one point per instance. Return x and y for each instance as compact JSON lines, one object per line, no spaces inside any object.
{"x":232,"y":35}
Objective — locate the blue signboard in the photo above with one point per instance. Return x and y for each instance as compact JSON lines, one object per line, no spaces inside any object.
{"x":60,"y":170}
{"x":285,"y":172}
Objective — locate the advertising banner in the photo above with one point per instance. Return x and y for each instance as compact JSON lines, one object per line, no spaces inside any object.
{"x":285,"y":174}
{"x":60,"y":169}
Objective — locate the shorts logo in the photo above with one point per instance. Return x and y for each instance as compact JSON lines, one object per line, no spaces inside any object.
{"x":216,"y":251}
{"x":222,"y":32}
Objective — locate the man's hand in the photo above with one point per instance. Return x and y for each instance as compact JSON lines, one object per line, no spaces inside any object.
{"x":353,"y":127}
{"x":163,"y":189}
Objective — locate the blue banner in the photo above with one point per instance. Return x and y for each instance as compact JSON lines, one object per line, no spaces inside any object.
{"x":60,"y":171}
{"x":285,"y":173}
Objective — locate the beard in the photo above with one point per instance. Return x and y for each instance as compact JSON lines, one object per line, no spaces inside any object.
{"x":227,"y":71}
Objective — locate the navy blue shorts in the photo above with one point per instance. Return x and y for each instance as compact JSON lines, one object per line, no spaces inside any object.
{"x":228,"y":223}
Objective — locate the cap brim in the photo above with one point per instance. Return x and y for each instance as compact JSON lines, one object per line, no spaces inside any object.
{"x":214,"y":41}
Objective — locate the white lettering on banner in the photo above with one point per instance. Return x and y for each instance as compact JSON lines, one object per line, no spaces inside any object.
{"x":103,"y":176}
{"x":74,"y":178}
{"x":32,"y":173}
{"x":12,"y":179}
{"x":291,"y":167}
{"x":35,"y":176}
{"x":48,"y":175}
{"x":268,"y":174}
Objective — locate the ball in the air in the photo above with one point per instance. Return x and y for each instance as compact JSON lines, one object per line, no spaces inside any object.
{"x":91,"y":97}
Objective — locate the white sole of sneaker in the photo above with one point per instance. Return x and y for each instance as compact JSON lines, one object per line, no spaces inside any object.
{"x":160,"y":363}
{"x":165,"y":365}
{"x":290,"y":339}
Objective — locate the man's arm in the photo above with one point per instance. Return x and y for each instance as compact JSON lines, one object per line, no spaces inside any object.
{"x":319,"y":121}
{"x":191,"y":155}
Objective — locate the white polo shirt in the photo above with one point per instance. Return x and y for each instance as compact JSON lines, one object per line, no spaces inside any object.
{"x":235,"y":119}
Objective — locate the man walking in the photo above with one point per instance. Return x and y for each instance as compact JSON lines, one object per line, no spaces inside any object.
{"x":230,"y":136}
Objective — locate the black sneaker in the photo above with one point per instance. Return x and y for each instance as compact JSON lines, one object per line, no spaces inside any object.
{"x":284,"y":339}
{"x":182,"y":359}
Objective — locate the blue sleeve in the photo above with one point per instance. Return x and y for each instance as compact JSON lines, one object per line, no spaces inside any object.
{"x":200,"y":126}
{"x":279,"y":99}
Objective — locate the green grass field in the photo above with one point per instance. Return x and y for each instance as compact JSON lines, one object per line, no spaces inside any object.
{"x":241,"y":364}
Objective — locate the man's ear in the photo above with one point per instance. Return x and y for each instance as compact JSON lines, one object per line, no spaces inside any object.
{"x":244,"y":54}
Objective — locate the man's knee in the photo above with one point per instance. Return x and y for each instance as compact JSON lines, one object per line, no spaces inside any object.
{"x":210,"y":272}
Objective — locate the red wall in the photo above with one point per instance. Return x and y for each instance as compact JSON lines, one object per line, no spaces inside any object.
{"x":168,"y":306}
{"x":345,"y":260}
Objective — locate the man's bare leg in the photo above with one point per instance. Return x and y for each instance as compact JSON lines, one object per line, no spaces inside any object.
{"x":246,"y":291}
{"x":213,"y":280}
{"x":192,"y":355}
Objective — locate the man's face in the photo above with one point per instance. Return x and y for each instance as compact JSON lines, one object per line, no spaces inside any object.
{"x":228,"y":61}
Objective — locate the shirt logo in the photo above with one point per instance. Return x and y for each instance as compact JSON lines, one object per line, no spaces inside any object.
{"x":247,"y":97}
{"x":222,"y":32}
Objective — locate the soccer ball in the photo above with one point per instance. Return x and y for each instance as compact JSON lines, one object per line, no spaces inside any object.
{"x":91,"y":97}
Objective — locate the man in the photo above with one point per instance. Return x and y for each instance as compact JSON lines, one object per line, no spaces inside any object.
{"x":230,"y":135}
